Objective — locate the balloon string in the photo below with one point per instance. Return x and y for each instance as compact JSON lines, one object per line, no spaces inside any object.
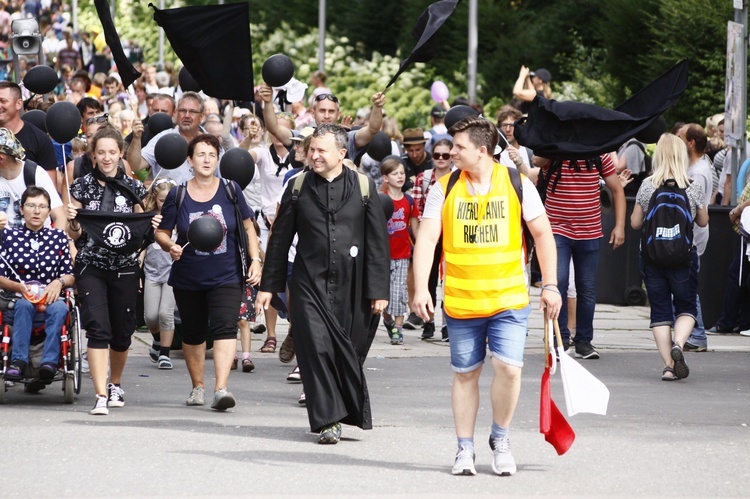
{"x":65,"y":170}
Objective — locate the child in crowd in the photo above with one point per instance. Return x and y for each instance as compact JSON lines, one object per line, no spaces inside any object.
{"x":158,"y":298}
{"x":405,"y":215}
{"x":247,"y":315}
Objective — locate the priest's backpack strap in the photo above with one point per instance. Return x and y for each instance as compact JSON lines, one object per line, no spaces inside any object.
{"x":364,"y":187}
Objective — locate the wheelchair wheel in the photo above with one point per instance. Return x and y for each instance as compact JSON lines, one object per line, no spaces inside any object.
{"x":75,"y":332}
{"x":68,"y":388}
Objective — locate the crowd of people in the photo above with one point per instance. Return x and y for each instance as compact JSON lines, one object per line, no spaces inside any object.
{"x":468,"y":203}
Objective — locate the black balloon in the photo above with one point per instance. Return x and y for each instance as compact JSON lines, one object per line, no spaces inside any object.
{"x":171,"y":151}
{"x":380,"y":146}
{"x":187,"y":82}
{"x":63,"y":121}
{"x":277,"y":70}
{"x":237,"y":164}
{"x":36,"y":118}
{"x":457,"y":113}
{"x":205,"y":233}
{"x":41,"y":79}
{"x":158,"y":122}
{"x":387,"y":203}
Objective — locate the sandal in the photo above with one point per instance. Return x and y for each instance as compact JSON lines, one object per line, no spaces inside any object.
{"x":668,"y":374}
{"x":295,"y":376}
{"x":269,"y":346}
{"x":247,"y":365}
{"x":286,"y":352}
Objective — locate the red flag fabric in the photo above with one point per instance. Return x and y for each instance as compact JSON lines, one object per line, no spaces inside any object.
{"x":552,"y":423}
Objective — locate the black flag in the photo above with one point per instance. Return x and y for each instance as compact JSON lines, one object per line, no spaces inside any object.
{"x":127,"y":72}
{"x":572,"y":130}
{"x":424,"y":31}
{"x":121,"y":233}
{"x":213,"y":42}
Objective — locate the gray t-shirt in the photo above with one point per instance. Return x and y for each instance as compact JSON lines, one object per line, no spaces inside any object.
{"x":700,"y":172}
{"x":694,"y":193}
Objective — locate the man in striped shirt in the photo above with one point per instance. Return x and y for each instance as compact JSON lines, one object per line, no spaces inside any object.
{"x":573,"y":207}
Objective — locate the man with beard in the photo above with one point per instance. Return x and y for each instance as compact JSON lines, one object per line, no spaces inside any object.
{"x":339,"y":283}
{"x":189,"y":118}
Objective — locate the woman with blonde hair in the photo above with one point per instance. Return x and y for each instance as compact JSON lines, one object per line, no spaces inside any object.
{"x":671,"y":288}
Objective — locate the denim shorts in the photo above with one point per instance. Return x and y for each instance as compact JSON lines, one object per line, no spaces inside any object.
{"x":505,"y":333}
{"x":671,"y":287}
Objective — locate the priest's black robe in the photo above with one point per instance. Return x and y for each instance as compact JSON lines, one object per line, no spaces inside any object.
{"x":342,"y":263}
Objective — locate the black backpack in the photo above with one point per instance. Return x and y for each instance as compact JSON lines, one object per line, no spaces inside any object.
{"x":667,"y":235}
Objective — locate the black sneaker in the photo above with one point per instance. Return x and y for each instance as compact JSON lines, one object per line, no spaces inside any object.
{"x":444,"y":332}
{"x":330,"y":434}
{"x":689,"y":347}
{"x":428,"y":331}
{"x":390,"y":327}
{"x":115,"y":396}
{"x":586,"y":351}
{"x":413,"y":322}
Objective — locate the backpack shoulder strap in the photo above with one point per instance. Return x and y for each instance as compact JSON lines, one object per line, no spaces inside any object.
{"x":297,"y":186}
{"x":515,"y":179}
{"x":180,"y":195}
{"x":29,"y":172}
{"x":451,"y":182}
{"x":364,"y":187}
{"x":230,"y":190}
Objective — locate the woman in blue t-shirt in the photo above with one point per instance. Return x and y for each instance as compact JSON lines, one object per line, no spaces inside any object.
{"x":208,"y":286}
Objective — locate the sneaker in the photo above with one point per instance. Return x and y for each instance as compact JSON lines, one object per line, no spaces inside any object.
{"x":85,"y":363}
{"x":153,"y":353}
{"x":585,"y":351}
{"x":197,"y":396}
{"x":464,"y":463}
{"x":247,"y":365}
{"x":223,"y":400}
{"x":330,"y":434}
{"x":302,"y":400}
{"x":681,"y":369}
{"x":397,"y":338}
{"x":115,"y":395}
{"x":413,"y":321}
{"x":390,"y":327}
{"x":742,"y":333}
{"x":165,"y":362}
{"x":503,"y":463}
{"x":444,"y":333}
{"x":259,"y":329}
{"x":234,"y":363}
{"x":720,"y":330}
{"x":295,"y":376}
{"x":428,"y":331}
{"x":100,"y":406}
{"x":689,"y":347}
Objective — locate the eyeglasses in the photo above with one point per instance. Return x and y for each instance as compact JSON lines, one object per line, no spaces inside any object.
{"x":98,"y":119}
{"x":330,"y":97}
{"x":444,"y":156}
{"x":34,"y":207}
{"x":507,"y":125}
{"x":191,"y":112}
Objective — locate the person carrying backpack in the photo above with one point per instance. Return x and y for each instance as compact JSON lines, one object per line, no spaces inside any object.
{"x":667,"y":205}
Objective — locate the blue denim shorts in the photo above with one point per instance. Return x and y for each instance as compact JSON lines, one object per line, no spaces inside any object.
{"x":505,"y":333}
{"x":671,"y":291}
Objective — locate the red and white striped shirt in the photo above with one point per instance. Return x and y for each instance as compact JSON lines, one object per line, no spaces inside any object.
{"x":574,"y":208}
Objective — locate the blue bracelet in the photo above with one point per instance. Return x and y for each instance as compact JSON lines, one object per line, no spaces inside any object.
{"x":548,"y":288}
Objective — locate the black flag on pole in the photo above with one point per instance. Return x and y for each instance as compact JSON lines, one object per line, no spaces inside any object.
{"x":127,"y":72}
{"x":121,"y":233}
{"x":572,"y":130}
{"x":424,"y":31}
{"x":213,"y":42}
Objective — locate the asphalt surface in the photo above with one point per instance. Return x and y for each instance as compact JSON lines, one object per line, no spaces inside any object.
{"x":684,"y":438}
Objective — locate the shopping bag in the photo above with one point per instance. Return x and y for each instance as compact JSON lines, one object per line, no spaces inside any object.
{"x":583,"y":391}
{"x":552,"y":423}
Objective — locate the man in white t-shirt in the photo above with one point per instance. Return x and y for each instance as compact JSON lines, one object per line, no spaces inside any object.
{"x":13,"y":183}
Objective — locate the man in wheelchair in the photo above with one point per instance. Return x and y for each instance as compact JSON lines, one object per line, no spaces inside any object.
{"x":35,"y":264}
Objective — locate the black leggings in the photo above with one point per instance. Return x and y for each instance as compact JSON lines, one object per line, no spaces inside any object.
{"x":215,"y":308}
{"x":108,"y":302}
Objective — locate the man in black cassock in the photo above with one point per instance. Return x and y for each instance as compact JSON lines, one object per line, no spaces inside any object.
{"x":339,"y":284}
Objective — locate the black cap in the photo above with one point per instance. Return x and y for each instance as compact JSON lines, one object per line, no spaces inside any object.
{"x":438,"y":112}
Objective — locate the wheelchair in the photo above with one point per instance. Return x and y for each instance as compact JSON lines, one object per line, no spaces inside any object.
{"x":69,"y":367}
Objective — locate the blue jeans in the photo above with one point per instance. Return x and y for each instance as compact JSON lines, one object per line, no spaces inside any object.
{"x":585,"y":253}
{"x":24,"y":313}
{"x":698,"y":335}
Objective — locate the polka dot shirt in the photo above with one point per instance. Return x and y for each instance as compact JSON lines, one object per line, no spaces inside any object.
{"x":41,"y":256}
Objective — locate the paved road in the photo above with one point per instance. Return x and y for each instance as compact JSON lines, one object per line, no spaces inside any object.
{"x":686,"y":438}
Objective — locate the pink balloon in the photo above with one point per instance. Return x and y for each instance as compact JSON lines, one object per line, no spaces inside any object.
{"x":439,"y":92}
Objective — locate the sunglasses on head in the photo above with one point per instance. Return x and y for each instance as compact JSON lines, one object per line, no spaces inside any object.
{"x":330,"y":97}
{"x":445,"y":156}
{"x":98,"y":119}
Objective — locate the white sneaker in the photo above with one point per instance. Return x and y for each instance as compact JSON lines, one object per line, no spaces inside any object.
{"x":464,"y":463}
{"x":100,"y":406}
{"x":197,"y":396}
{"x":223,"y":400}
{"x":745,"y":333}
{"x":503,"y":463}
{"x":85,"y":362}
